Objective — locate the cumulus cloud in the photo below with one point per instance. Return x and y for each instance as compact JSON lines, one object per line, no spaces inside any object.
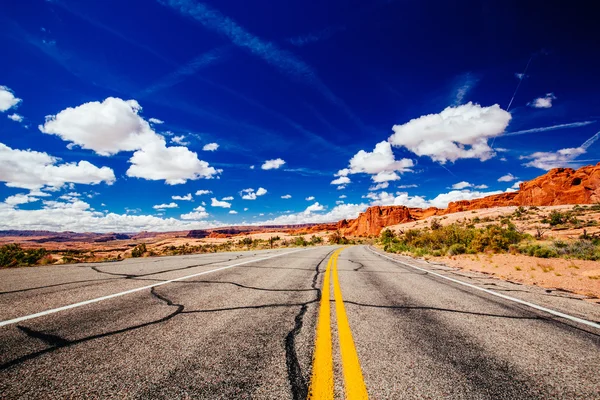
{"x":216,"y":203}
{"x":156,"y":121}
{"x":548,"y":160}
{"x":228,"y":198}
{"x":440,"y":201}
{"x":30,"y":169}
{"x":310,"y":198}
{"x":464,"y":185}
{"x":78,"y":216}
{"x":286,"y":196}
{"x":174,"y":165}
{"x":180,"y":140}
{"x":233,"y":212}
{"x":114,"y":125}
{"x":382,"y":185}
{"x":7,"y":99}
{"x":164,"y":206}
{"x":380,"y":160}
{"x":343,"y":196}
{"x":342,"y":180}
{"x":20,"y":198}
{"x":187,"y":197}
{"x":507,"y":178}
{"x":203,"y":192}
{"x":198,"y":213}
{"x":210,"y":147}
{"x":455,"y":133}
{"x":543,"y":102}
{"x":273,"y":164}
{"x":15,"y":117}
{"x":250,"y":194}
{"x":314,"y":207}
{"x":339,"y":212}
{"x":407,"y":186}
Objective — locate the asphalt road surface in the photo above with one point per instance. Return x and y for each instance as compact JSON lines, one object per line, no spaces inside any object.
{"x":256,"y":325}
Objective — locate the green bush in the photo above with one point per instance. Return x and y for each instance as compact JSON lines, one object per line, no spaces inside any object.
{"x":12,"y":255}
{"x":316,"y":239}
{"x":300,"y":241}
{"x":138,"y":250}
{"x":457,"y":248}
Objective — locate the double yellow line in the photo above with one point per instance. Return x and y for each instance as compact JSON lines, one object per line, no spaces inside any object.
{"x":321,"y":384}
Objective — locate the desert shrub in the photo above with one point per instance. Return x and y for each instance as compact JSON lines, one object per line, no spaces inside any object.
{"x":435,"y":224}
{"x":457,"y":248}
{"x":138,"y":250}
{"x":247,"y":241}
{"x":337,"y":238}
{"x":557,"y":218}
{"x":300,"y":241}
{"x":12,"y":255}
{"x":316,"y":239}
{"x":545,"y":252}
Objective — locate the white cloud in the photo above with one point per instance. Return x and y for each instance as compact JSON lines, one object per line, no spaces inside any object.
{"x":250,"y":194}
{"x":78,"y":216}
{"x":194,"y":215}
{"x":174,"y":165}
{"x":462,"y":185}
{"x":342,"y":180}
{"x":252,"y":167}
{"x":180,"y":140}
{"x":516,"y":186}
{"x":543,"y":102}
{"x":507,"y":178}
{"x":382,"y":185}
{"x":187,"y":197}
{"x":481,"y":186}
{"x":386,"y":176}
{"x":381,"y":159}
{"x":106,"y":128}
{"x":15,"y":117}
{"x":156,"y":121}
{"x":286,"y":196}
{"x":455,"y":133}
{"x":233,"y":212}
{"x":520,"y":76}
{"x":339,"y":212}
{"x":228,"y":198}
{"x":314,"y":207}
{"x":273,"y":164}
{"x":246,"y":209}
{"x":114,"y":126}
{"x":341,"y":187}
{"x":30,"y":169}
{"x":440,"y":201}
{"x":310,"y":198}
{"x":216,"y":203}
{"x":407,"y":186}
{"x":163,"y":206}
{"x":338,"y":202}
{"x":20,"y":199}
{"x":549,"y":160}
{"x":343,"y":196}
{"x":203,"y":192}
{"x":210,"y":147}
{"x":7,"y":99}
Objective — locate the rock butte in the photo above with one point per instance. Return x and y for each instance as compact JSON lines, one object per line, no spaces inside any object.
{"x":557,"y":187}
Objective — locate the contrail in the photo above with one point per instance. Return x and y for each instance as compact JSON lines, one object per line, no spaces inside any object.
{"x":519,"y":84}
{"x":590,"y":141}
{"x":550,"y":128}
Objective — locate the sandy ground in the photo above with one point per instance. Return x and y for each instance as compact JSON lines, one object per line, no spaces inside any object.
{"x":577,"y":276}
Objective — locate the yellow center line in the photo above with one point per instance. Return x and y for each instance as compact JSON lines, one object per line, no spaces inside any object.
{"x":321,"y":384}
{"x":354,"y":383}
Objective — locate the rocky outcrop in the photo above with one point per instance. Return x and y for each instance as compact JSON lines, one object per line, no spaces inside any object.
{"x":557,"y":187}
{"x":371,"y":221}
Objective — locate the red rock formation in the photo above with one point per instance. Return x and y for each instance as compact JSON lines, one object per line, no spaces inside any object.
{"x":558,"y":186}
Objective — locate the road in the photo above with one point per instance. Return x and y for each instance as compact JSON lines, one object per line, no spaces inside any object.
{"x":257,"y":325}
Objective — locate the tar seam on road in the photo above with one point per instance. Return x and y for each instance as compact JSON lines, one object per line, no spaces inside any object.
{"x":98,"y":299}
{"x":503,"y":296}
{"x":322,"y":381}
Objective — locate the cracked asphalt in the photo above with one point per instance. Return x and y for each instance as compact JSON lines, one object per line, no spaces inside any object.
{"x":248,"y":332}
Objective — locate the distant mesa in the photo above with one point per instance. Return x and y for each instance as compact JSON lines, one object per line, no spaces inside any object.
{"x":558,"y":186}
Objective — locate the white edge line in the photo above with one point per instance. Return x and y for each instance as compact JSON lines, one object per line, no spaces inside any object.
{"x":526,"y":303}
{"x":110,"y":296}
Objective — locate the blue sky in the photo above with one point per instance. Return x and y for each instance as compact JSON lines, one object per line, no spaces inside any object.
{"x":179,"y":114}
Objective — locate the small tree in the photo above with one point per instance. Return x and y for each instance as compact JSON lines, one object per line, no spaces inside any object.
{"x":138,"y":250}
{"x":247,"y":241}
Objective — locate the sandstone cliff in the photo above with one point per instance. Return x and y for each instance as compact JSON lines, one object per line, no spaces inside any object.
{"x":558,"y":186}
